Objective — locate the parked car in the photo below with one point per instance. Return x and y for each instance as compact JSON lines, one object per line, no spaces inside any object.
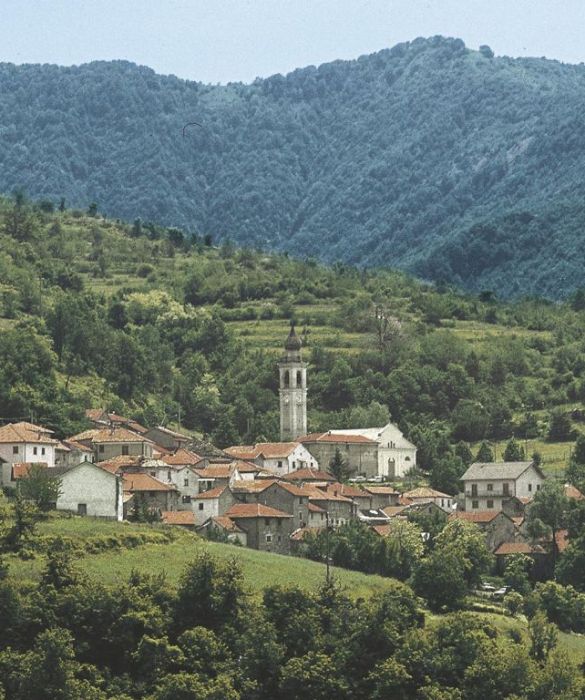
{"x":358,"y":479}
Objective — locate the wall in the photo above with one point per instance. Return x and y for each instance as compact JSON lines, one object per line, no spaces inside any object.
{"x":98,"y":489}
{"x":26,"y":453}
{"x":114,"y":449}
{"x":362,"y":458}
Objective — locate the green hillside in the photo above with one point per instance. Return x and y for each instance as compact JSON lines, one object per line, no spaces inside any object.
{"x":430,"y":157}
{"x":141,"y":319}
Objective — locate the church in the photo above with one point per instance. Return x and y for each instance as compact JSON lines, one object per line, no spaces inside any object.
{"x":385,"y":451}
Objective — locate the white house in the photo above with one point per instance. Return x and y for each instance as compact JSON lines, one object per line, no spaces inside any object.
{"x":277,"y":457}
{"x":183,"y":477}
{"x":396,"y":454}
{"x":87,"y":489}
{"x":26,"y":442}
{"x":425,"y":494}
{"x":488,"y":485}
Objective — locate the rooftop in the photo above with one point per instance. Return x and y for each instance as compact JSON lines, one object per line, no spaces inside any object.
{"x":344,"y":438}
{"x":497,"y":470}
{"x":24,"y":432}
{"x":144,"y":482}
{"x":178,"y":517}
{"x":254,"y":510}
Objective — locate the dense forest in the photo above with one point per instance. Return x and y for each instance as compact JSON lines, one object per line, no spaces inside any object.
{"x":453,"y":164}
{"x":171,"y":329}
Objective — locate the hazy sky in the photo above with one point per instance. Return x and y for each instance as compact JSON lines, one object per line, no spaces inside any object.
{"x":228,"y":40}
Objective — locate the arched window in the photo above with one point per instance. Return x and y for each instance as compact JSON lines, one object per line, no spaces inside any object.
{"x":286,"y":379}
{"x":299,"y":378}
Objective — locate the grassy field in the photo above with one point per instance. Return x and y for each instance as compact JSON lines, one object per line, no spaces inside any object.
{"x":260,"y":569}
{"x":555,"y":455}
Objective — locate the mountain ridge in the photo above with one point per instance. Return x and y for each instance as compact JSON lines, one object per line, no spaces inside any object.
{"x":417,"y":157}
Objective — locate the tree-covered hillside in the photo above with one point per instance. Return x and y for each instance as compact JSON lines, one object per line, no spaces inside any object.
{"x":146,"y":322}
{"x":447,"y":162}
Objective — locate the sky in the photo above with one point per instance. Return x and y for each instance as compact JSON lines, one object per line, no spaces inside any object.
{"x":218,"y":41}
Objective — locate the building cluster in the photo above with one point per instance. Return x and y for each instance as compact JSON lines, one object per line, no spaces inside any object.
{"x":269,"y":495}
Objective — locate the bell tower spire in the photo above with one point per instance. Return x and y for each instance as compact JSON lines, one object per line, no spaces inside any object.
{"x":293,"y":389}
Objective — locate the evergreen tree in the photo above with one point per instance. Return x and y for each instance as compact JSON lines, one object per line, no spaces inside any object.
{"x":484,"y":454}
{"x":514,"y":452}
{"x":338,"y":466}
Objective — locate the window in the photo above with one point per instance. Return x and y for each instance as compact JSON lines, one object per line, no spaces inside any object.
{"x":530,"y":487}
{"x":125,"y":449}
{"x":201,"y":506}
{"x":279,"y":539}
{"x":152,"y":494}
{"x":475,"y":504}
{"x":280,"y":464}
{"x":474,"y":489}
{"x":490,"y":503}
{"x":538,"y":487}
{"x":267,"y":521}
{"x":506,"y":489}
{"x":268,"y":539}
{"x":186,"y":499}
{"x":153,"y":473}
{"x":169,"y":475}
{"x":82,"y":509}
{"x":490,"y":487}
{"x":300,"y":500}
{"x":15,"y":449}
{"x":35,"y":450}
{"x":185,"y":482}
{"x":100,"y":448}
{"x":42,"y":450}
{"x":407,"y":459}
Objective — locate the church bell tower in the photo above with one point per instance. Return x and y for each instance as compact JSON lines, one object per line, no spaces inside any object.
{"x":293,"y":390}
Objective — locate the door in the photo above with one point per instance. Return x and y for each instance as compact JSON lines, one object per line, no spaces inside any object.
{"x":82,"y":509}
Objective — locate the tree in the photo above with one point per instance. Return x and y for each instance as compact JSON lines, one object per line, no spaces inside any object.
{"x":559,"y":426}
{"x":465,"y":541}
{"x":543,"y":637}
{"x":514,"y":452}
{"x":40,"y":487}
{"x":338,"y":466}
{"x":470,"y":420}
{"x":440,"y":580}
{"x":92,"y":209}
{"x":484,"y":454}
{"x":62,"y":204}
{"x":548,"y":509}
{"x":25,"y":520}
{"x":314,"y":676}
{"x":516,"y":573}
{"x":464,"y":453}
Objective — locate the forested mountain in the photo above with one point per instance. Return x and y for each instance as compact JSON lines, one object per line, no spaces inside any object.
{"x":450,"y":163}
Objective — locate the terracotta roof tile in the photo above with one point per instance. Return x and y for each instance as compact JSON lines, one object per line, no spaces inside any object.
{"x":108,"y":435}
{"x":178,"y":517}
{"x":183,"y":457}
{"x":254,"y":510}
{"x":382,"y":530}
{"x":212,"y":493}
{"x":475,"y":516}
{"x":381,"y":490}
{"x":425,"y":492}
{"x":562,"y":540}
{"x":13,"y":433}
{"x":20,"y":469}
{"x":337,"y":437}
{"x":226,"y":523}
{"x":573,"y":492}
{"x":246,"y":486}
{"x":145,"y":482}
{"x":393,"y":511}
{"x":300,"y":534}
{"x":518,"y":548}
{"x":119,"y":462}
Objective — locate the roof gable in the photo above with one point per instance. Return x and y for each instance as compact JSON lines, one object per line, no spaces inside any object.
{"x":498,"y":470}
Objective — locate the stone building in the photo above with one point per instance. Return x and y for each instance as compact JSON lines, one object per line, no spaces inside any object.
{"x":359,"y":452}
{"x":488,"y":485}
{"x":267,"y":529}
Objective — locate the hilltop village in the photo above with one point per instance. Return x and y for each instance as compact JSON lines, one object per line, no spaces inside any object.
{"x":267,"y":496}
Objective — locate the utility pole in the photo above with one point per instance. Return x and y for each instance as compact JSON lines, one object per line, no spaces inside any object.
{"x":327,"y":575}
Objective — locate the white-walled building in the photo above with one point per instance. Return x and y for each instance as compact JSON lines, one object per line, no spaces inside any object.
{"x":26,"y":442}
{"x":277,"y":457}
{"x":487,"y":485}
{"x":396,"y":454}
{"x":87,"y":489}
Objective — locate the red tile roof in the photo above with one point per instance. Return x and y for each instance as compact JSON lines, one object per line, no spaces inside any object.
{"x":254,"y":510}
{"x":119,"y":462}
{"x":393,"y":511}
{"x":212,"y":493}
{"x":108,"y":435}
{"x":178,"y":517}
{"x":245,"y":486}
{"x":347,"y":490}
{"x":215,"y":471}
{"x":382,"y":530}
{"x":381,"y":490}
{"x":183,"y":457}
{"x":14,"y":433}
{"x":475,"y":516}
{"x":573,"y":492}
{"x":226,"y":523}
{"x":20,"y":469}
{"x":300,"y":534}
{"x":518,"y":548}
{"x":336,"y":437}
{"x":144,"y":482}
{"x":425,"y":492}
{"x":562,"y":540}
